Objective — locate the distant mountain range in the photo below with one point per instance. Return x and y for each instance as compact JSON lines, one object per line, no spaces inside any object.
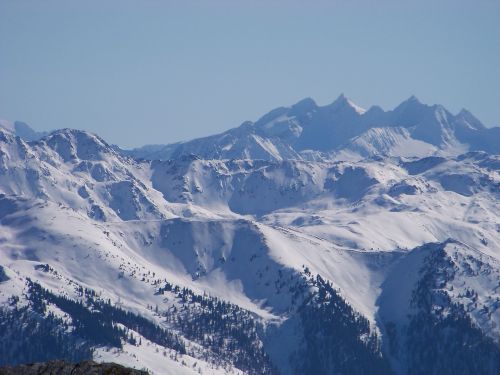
{"x":22,"y":130}
{"x":317,"y":240}
{"x":306,"y":130}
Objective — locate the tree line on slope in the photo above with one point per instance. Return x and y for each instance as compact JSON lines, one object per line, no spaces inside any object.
{"x":37,"y":334}
{"x":441,"y":337}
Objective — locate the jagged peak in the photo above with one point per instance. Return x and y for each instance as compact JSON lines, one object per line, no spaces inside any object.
{"x":344,"y":101}
{"x":412,"y":100}
{"x":471,"y":120}
{"x":340,"y":101}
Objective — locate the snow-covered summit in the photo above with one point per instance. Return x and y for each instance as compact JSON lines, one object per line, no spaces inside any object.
{"x":73,"y":144}
{"x":286,"y":132}
{"x":344,"y":103}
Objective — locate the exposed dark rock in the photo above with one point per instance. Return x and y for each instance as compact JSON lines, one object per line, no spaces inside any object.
{"x":67,"y":368}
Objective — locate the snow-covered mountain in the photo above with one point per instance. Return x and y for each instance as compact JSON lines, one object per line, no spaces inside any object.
{"x":411,"y":129}
{"x":314,"y":241}
{"x":22,"y":130}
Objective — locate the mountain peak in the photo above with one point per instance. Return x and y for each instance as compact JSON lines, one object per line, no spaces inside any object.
{"x":72,"y":143}
{"x":304,"y":105}
{"x":414,"y":99}
{"x":411,"y":104}
{"x":21,"y":129}
{"x":470,"y":120}
{"x":25,"y":131}
{"x":344,"y":101}
{"x":341,"y":99}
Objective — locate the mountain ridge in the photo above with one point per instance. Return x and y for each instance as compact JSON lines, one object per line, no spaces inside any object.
{"x":320,"y":262}
{"x":286,"y":132}
{"x":304,"y":129}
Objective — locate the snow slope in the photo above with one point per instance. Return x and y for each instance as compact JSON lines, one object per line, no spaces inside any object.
{"x":76,"y":214}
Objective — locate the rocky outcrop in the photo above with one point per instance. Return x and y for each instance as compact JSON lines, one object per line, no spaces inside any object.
{"x":66,"y":368}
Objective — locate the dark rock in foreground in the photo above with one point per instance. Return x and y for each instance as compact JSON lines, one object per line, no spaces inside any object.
{"x":66,"y":368}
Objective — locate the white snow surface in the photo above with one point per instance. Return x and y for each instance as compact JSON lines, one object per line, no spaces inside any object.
{"x":107,"y":222}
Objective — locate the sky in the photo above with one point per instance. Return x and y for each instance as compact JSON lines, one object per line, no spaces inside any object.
{"x":155,"y":72}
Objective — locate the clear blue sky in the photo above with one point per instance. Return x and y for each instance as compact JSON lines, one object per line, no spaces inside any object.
{"x":140,"y":72}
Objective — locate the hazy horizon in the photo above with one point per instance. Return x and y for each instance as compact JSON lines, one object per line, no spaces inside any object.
{"x":165,"y":71}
